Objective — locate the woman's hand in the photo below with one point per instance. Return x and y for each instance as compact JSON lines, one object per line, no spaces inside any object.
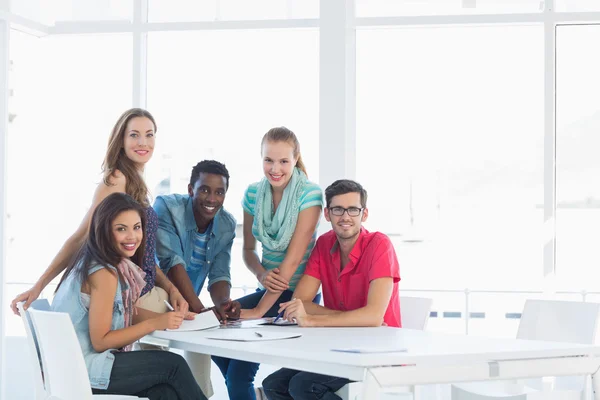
{"x":251,"y":313}
{"x":177,"y":300}
{"x":294,"y":311}
{"x":28,"y":297}
{"x":272,"y":281}
{"x":189,"y":316}
{"x":169,"y":320}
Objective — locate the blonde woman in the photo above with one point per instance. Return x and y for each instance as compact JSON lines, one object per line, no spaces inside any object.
{"x":281,"y":212}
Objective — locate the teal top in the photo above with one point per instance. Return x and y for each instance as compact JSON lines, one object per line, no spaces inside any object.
{"x":312,"y":196}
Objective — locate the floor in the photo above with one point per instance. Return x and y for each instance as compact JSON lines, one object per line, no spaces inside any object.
{"x":219,"y":383}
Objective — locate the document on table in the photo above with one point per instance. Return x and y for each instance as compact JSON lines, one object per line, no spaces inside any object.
{"x":372,"y":349}
{"x":250,"y":335}
{"x":202,"y":321}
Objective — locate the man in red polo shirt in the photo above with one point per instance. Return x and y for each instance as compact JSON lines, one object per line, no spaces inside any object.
{"x":359,"y":272}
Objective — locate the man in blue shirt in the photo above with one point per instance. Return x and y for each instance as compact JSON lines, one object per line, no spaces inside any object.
{"x":195,"y":236}
{"x":194,"y":240}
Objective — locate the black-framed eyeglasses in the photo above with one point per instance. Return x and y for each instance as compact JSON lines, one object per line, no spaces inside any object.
{"x":339,"y":211}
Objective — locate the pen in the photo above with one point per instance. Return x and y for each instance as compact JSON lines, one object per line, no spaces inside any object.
{"x":258,"y":334}
{"x":169,"y":306}
{"x":278,"y":316}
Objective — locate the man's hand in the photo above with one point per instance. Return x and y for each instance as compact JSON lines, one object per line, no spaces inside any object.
{"x":177,"y":300}
{"x":273,"y":282}
{"x":232,"y":309}
{"x":294,"y":311}
{"x":221,"y":316}
{"x":229,"y":310}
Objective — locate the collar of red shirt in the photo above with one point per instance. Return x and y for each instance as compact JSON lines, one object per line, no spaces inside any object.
{"x":353,"y":257}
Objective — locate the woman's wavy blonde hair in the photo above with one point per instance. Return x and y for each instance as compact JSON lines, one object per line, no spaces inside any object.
{"x":116,"y":159}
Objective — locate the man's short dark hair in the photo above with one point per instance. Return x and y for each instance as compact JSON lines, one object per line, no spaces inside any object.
{"x":343,"y":186}
{"x":209,"y":167}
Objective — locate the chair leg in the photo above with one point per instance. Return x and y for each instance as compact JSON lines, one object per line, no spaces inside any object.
{"x":596,"y":385}
{"x":370,"y":389}
{"x":585,"y":391}
{"x":413,"y":391}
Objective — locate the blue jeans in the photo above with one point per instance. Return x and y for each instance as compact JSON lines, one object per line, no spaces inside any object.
{"x":288,"y":384}
{"x":239,"y":375}
{"x":155,"y":374}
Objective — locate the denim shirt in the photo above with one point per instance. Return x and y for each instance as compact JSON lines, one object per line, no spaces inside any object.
{"x":176,"y":231}
{"x":68,"y":299}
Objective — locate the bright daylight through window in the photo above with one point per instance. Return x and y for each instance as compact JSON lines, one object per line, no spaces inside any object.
{"x":453,"y":129}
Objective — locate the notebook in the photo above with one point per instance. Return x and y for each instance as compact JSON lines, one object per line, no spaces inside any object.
{"x":202,"y":321}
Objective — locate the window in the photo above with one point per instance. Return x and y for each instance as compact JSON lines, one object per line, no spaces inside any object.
{"x":577,"y":161}
{"x":386,"y":8}
{"x":216,"y":93}
{"x":227,"y":10}
{"x":577,"y":5}
{"x":96,"y":10}
{"x":73,"y":10}
{"x":450,"y":149}
{"x":63,"y":109}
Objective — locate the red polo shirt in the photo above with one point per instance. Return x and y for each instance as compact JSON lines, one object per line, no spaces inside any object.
{"x":372,"y":257}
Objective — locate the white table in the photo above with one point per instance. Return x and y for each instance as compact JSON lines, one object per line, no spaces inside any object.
{"x":431,"y":357}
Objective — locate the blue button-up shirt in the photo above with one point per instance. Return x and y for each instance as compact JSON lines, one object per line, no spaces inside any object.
{"x":175,"y":245}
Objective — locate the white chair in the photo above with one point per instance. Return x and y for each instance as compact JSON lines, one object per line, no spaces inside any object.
{"x":64,"y":370}
{"x":415,"y":313}
{"x":548,"y":320}
{"x":34,"y":355}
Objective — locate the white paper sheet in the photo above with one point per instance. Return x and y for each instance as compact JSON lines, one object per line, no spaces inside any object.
{"x":364,"y":350}
{"x":202,"y":321}
{"x":250,"y":335}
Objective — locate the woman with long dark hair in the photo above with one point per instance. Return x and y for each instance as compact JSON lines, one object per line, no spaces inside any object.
{"x":98,"y":290}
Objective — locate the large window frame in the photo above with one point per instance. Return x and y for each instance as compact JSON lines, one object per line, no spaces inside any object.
{"x":337,"y":25}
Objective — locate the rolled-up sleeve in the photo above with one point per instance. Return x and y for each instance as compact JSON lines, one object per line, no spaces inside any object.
{"x":169,"y":248}
{"x":221,"y":268}
{"x":385,"y":262}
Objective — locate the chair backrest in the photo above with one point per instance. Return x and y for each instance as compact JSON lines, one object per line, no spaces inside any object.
{"x":33,"y":348}
{"x":559,"y":321}
{"x":415,"y":312}
{"x":64,"y":367}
